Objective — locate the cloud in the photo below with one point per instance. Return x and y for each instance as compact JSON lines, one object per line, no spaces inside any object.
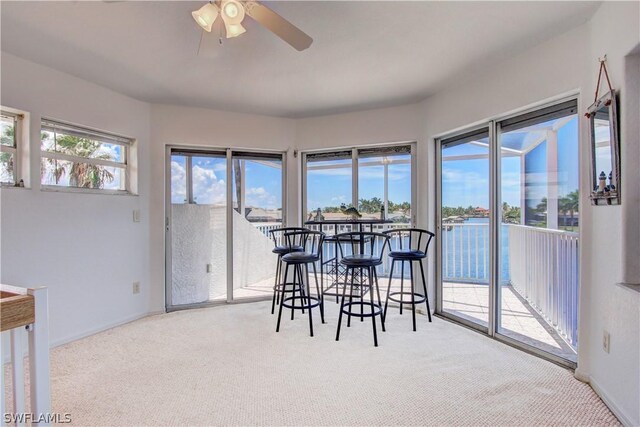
{"x":207,"y":188}
{"x":260,"y":197}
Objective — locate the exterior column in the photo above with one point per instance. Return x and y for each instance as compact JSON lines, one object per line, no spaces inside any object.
{"x":552,"y":179}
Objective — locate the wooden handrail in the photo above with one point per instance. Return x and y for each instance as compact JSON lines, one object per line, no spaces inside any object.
{"x":16,"y":309}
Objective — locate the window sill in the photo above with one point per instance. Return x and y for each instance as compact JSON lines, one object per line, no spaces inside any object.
{"x":13,"y":187}
{"x":54,"y":189}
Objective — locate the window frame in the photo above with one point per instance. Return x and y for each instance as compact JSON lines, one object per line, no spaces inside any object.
{"x":355,"y":156}
{"x":17,"y":118}
{"x":127,"y":144}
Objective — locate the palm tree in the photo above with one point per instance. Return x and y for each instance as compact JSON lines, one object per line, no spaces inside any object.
{"x":572,"y":203}
{"x":81,"y":174}
{"x":6,"y":159}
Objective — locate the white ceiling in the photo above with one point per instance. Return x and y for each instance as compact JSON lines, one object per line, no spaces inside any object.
{"x":364,"y":55}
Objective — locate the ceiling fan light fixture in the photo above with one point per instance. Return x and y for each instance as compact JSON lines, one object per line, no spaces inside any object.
{"x":234,"y":30}
{"x":232,"y":12}
{"x":206,"y":16}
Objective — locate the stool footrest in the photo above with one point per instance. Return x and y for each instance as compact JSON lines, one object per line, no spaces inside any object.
{"x":282,"y":287}
{"x":419,"y":298}
{"x":377,"y":309}
{"x":303,"y":298}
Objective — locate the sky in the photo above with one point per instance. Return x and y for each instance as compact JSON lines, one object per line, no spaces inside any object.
{"x":332,"y":187}
{"x":263,"y":182}
{"x":466,"y":182}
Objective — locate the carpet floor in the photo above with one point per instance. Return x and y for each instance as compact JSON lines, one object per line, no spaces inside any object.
{"x":227,"y":366}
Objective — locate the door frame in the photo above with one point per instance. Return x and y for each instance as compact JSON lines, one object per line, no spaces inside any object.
{"x":493,"y":126}
{"x":226,"y":152}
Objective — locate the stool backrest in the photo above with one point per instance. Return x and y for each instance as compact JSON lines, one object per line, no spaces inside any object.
{"x":409,"y":239}
{"x":277,"y":235}
{"x":310,"y":240}
{"x":366,"y":243}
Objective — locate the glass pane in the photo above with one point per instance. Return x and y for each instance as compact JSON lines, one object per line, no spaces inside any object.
{"x":7,"y":171}
{"x":329,"y":188}
{"x":257,"y":203}
{"x":603,"y":144}
{"x":65,"y":173}
{"x":465,"y":230}
{"x":178,"y":179}
{"x":538,"y":251}
{"x":198,"y":230}
{"x":7,"y":131}
{"x":384,"y":186}
{"x":82,"y":147}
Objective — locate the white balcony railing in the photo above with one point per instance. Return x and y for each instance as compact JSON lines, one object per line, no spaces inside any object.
{"x":544,"y":270}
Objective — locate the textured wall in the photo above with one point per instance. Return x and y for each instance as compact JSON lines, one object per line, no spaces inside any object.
{"x":199,"y":238}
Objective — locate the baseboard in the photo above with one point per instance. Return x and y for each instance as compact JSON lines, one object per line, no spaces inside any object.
{"x":626,"y":421}
{"x":102,"y":328}
{"x":6,"y":356}
{"x":581,"y":376}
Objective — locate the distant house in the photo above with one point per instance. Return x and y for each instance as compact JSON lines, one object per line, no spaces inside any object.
{"x":481,"y":212}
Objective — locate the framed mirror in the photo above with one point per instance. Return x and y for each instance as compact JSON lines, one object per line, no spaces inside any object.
{"x":605,"y":150}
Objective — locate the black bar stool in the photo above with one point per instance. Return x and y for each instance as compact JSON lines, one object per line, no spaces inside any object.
{"x":413,"y":245}
{"x":361,"y":252}
{"x":281,"y":247}
{"x":311,"y":241}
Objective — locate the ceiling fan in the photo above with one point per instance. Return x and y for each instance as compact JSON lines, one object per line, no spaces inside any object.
{"x":233,"y":12}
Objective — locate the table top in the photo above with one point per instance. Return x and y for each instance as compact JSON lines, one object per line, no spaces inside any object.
{"x":366,"y":221}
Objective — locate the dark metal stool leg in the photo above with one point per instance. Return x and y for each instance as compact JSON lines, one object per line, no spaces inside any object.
{"x":302,"y":288}
{"x":284,"y":288}
{"x":373,"y":317}
{"x":275,"y":285}
{"x":386,"y":301}
{"x":319,"y":289}
{"x":401,"y":285}
{"x":306,"y":300}
{"x":413,"y":296}
{"x":375,"y":277}
{"x":353,"y":271}
{"x":424,"y":285}
{"x":361,"y":295}
{"x":344,"y":293}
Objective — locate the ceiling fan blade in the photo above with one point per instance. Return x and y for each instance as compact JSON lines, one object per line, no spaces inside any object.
{"x":278,"y":25}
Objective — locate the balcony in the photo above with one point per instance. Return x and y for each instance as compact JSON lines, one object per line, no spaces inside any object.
{"x":538,"y":282}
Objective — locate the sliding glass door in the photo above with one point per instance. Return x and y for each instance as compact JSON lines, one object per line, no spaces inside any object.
{"x":538,"y":194}
{"x":464,"y":244}
{"x":221,"y":205}
{"x":508,"y":221}
{"x":197,"y":231}
{"x":257,"y":209}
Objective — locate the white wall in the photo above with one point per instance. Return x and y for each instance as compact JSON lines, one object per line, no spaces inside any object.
{"x":606,"y":306}
{"x":84,"y":247}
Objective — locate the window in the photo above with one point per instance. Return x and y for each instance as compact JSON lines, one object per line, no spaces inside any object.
{"x":77,"y":157}
{"x":374,"y":179}
{"x":8,"y":148}
{"x":329,"y":183}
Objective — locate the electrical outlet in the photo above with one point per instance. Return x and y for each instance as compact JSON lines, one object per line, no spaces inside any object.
{"x":136,"y":287}
{"x":606,"y":341}
{"x":136,"y":215}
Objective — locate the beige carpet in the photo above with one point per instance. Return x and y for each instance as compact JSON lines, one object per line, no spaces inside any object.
{"x":227,"y":366}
